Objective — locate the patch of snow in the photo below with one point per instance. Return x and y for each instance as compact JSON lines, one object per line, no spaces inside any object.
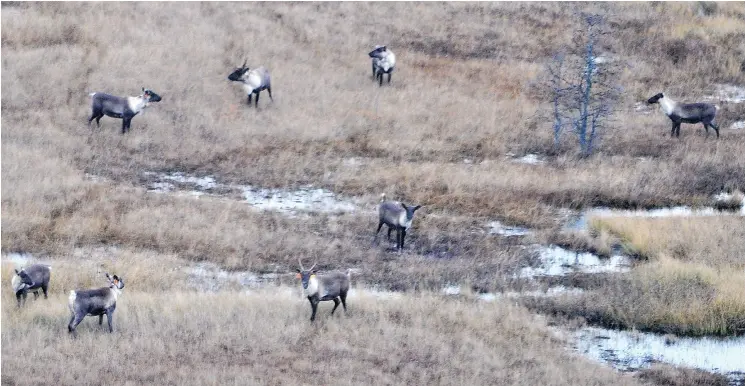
{"x":643,"y":108}
{"x":529,"y":159}
{"x":496,"y":228}
{"x":203,"y":183}
{"x":19,"y":259}
{"x":211,"y":278}
{"x":306,"y":199}
{"x":600,"y":59}
{"x":728,"y":93}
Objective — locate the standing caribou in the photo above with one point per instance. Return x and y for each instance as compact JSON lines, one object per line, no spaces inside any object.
{"x":124,"y":108}
{"x":678,"y":113}
{"x":396,"y":215}
{"x":383,"y":62}
{"x":254,"y":81}
{"x":95,"y":302}
{"x":31,"y":279}
{"x":332,"y":286}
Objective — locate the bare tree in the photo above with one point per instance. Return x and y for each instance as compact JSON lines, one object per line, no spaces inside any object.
{"x":581,"y":85}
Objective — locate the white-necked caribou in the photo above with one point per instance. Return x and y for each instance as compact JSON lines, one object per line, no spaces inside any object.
{"x":95,"y":302}
{"x":678,"y":113}
{"x":318,"y":288}
{"x":253,"y":81}
{"x":124,"y":108}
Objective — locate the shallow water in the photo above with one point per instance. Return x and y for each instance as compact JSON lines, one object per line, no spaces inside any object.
{"x":454,"y":290}
{"x":306,"y":199}
{"x":581,"y":223}
{"x":210,"y":277}
{"x":497,"y":228}
{"x":631,"y":350}
{"x":557,"y":261}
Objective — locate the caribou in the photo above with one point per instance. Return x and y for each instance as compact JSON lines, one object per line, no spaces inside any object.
{"x":254,"y":81}
{"x":31,"y":279}
{"x":124,"y":108}
{"x":396,"y":215}
{"x":383,"y":62}
{"x":318,"y":288}
{"x":678,"y":113}
{"x":95,"y":302}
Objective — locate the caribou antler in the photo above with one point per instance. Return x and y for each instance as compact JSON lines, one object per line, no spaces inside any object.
{"x":314,"y":265}
{"x":301,"y":264}
{"x":244,"y":63}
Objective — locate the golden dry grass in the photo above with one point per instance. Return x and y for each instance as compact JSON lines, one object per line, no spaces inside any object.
{"x":168,"y":334}
{"x":462,"y":90}
{"x":691,"y":285}
{"x":717,"y":241}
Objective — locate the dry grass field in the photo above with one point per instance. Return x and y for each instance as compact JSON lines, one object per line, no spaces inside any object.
{"x":690,"y":284}
{"x":167,"y":334}
{"x":461,"y":106}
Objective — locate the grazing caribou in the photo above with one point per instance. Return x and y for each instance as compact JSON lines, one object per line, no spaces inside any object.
{"x":318,"y":288}
{"x":383,"y":62}
{"x":124,"y":108}
{"x":678,"y":113}
{"x":396,"y":215}
{"x":95,"y":302}
{"x":31,"y":279}
{"x":254,"y":81}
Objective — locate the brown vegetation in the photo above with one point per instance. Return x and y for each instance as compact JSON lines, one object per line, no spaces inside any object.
{"x":692,"y":284}
{"x":462,"y":92}
{"x":167,"y":334}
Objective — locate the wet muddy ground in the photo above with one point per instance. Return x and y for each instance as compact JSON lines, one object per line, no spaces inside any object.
{"x":624,"y":350}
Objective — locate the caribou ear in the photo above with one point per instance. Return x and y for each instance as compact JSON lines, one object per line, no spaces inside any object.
{"x":17,"y":273}
{"x":404,"y":206}
{"x":143,"y":89}
{"x":416,"y":207}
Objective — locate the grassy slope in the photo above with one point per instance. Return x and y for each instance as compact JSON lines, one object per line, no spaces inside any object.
{"x":461,"y":91}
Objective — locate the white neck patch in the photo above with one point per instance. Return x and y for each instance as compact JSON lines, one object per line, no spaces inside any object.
{"x":312,"y":286}
{"x":667,"y":105}
{"x":252,"y":80}
{"x":136,"y":104}
{"x":404,"y":221}
{"x":17,"y":283}
{"x":115,"y":291}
